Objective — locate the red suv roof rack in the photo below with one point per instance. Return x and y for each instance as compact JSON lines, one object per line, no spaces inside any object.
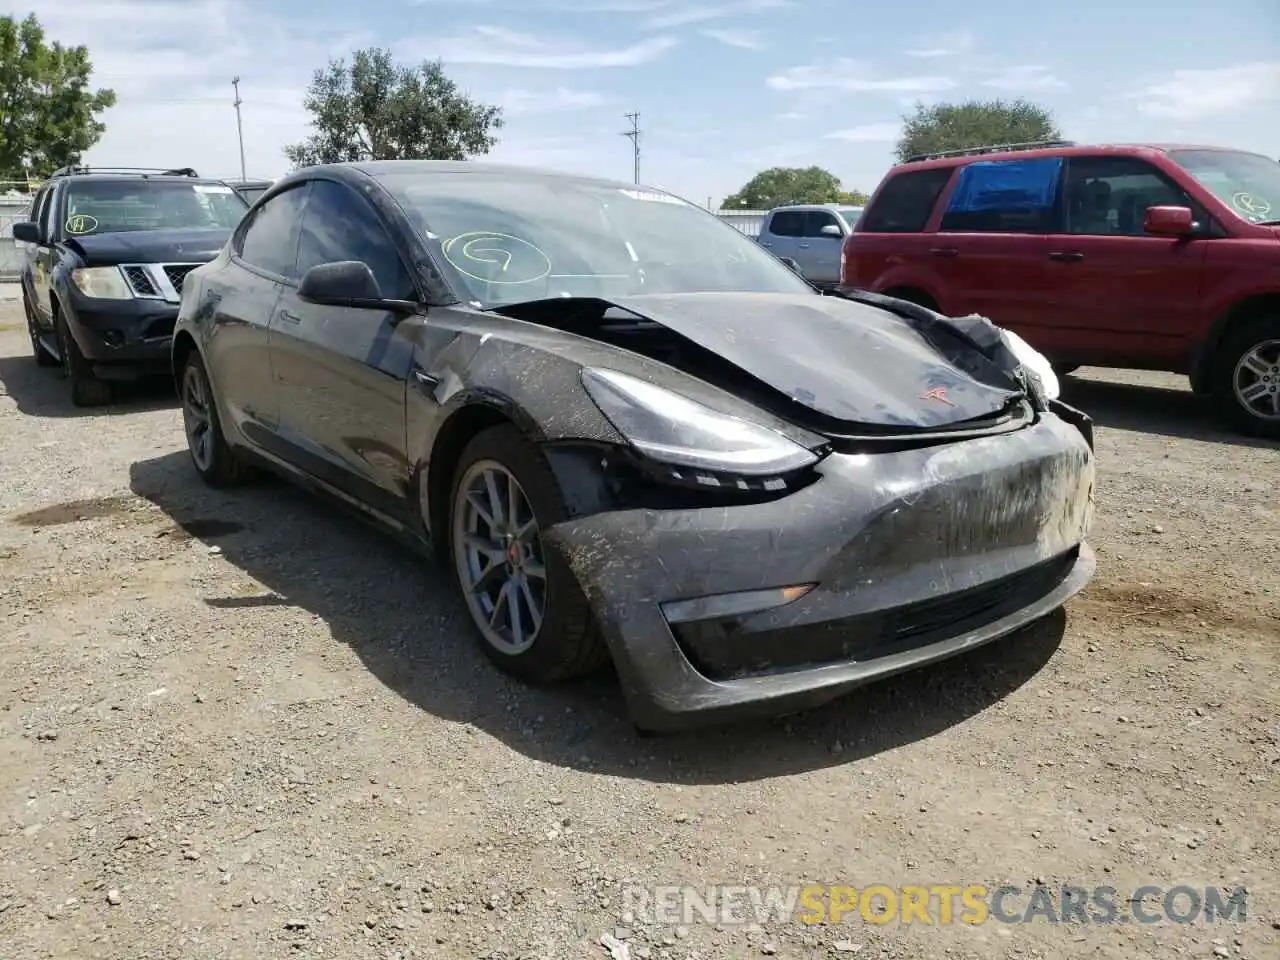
{"x":994,"y":148}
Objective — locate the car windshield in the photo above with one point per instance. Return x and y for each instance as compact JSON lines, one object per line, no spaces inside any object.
{"x":851,"y":214}
{"x":1248,"y":183}
{"x":126,"y":205}
{"x":512,"y":238}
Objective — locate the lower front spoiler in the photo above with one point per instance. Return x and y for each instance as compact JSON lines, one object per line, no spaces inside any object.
{"x":689,"y":700}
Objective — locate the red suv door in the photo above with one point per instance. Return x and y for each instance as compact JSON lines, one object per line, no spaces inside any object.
{"x":1118,"y":295}
{"x":991,"y":238}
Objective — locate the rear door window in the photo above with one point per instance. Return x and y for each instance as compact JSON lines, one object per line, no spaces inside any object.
{"x":906,"y":201}
{"x":788,"y":223}
{"x":1005,"y":196}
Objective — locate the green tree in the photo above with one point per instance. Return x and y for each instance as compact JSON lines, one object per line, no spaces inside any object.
{"x":974,"y":123}
{"x":48,"y":113}
{"x":782,"y":185}
{"x":375,"y":109}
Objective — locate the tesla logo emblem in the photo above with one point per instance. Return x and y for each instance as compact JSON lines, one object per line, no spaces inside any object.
{"x":937,"y":393}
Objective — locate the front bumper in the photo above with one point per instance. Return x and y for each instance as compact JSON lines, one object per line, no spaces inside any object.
{"x":916,"y":556}
{"x":123,"y":338}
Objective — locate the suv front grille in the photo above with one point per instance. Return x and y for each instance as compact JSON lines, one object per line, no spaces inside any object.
{"x":157,"y":281}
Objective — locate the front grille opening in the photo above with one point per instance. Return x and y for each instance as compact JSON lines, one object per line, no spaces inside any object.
{"x":722,"y":650}
{"x":140,"y":282}
{"x":177,"y":274}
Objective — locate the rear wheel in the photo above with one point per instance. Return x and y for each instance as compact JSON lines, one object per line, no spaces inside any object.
{"x":86,"y":389}
{"x":44,"y":357}
{"x":213,"y":458}
{"x":532,"y":618}
{"x":1246,"y":378}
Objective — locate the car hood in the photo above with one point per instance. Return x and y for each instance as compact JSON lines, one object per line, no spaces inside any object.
{"x":849,"y":361}
{"x":150,"y":246}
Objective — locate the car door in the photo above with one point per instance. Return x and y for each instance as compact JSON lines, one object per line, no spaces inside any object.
{"x":244,"y":297}
{"x":781,"y":233}
{"x":43,"y":257}
{"x":990,"y":242}
{"x":340,"y":372}
{"x":818,"y":253}
{"x":1120,"y":295}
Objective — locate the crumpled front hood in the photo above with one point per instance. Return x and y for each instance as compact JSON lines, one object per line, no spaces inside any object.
{"x":150,"y":246}
{"x":850,"y":361}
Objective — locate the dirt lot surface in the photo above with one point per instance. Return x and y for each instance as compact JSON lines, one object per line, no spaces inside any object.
{"x":245,"y":725}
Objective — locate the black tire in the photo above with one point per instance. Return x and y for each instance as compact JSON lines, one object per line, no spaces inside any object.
{"x":1263,"y":334}
{"x":568,"y":643}
{"x":1065,"y":369}
{"x":86,"y":389}
{"x":222,"y":467}
{"x":44,"y":357}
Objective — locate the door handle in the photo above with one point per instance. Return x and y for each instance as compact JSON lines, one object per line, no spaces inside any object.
{"x":1067,"y":256}
{"x":424,"y":379}
{"x":804,"y":246}
{"x":766,"y":243}
{"x":288,"y":317}
{"x":945,"y":251}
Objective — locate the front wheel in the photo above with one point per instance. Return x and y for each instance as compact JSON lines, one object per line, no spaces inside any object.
{"x":86,"y":389}
{"x":211,"y":455}
{"x":1246,"y":378}
{"x":531,"y":616}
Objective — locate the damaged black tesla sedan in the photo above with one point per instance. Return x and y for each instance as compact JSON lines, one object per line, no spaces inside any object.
{"x":633,"y":435}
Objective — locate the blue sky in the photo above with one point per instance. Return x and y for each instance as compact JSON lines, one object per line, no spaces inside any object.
{"x":724,"y":87}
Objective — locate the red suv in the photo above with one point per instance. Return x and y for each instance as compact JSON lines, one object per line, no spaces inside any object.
{"x":1139,"y":256}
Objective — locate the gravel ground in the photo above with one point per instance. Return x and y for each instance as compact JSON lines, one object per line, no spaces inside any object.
{"x":246,"y":725}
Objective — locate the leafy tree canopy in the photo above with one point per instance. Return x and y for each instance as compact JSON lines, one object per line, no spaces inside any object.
{"x":778,"y":186}
{"x":974,"y":123}
{"x":48,"y":113}
{"x":376,"y":109}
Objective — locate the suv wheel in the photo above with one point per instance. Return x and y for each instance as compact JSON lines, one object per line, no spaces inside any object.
{"x":1246,"y":378}
{"x":43,"y":357}
{"x":86,"y":389}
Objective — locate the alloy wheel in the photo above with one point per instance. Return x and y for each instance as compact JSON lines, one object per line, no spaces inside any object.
{"x":1257,"y":380}
{"x":497,"y":548}
{"x":196,"y":418}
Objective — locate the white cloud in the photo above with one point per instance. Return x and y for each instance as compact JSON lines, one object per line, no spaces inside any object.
{"x":498,"y":46}
{"x":854,"y":76}
{"x":868,"y":133}
{"x":516,"y":101}
{"x":1210,"y":93}
{"x":675,"y":15}
{"x":743,"y":39}
{"x":1021,"y":79}
{"x":943,"y":45}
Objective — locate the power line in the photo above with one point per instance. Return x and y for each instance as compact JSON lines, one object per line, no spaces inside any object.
{"x":634,"y":136}
{"x":235,"y":82}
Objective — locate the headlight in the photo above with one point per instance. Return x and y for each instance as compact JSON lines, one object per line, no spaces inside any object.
{"x":102,"y":283}
{"x":1035,"y":362}
{"x":676,"y":430}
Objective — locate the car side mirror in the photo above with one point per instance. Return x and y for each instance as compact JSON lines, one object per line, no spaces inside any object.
{"x":27,"y":231}
{"x":1169,"y":222}
{"x":831,"y":230}
{"x":348,"y":283}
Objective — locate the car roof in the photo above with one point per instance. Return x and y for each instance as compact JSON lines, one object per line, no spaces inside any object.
{"x":817,"y":206}
{"x":1065,"y":149}
{"x":131,"y":177}
{"x":380,"y":168}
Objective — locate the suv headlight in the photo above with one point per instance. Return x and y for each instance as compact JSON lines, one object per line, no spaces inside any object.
{"x":102,"y":283}
{"x":673,"y":429}
{"x":1037,"y":363}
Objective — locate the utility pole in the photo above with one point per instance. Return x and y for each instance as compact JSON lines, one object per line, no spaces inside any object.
{"x":235,"y":82}
{"x":634,"y":135}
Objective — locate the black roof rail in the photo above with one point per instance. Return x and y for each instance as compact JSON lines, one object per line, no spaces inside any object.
{"x":75,"y":171}
{"x":993,"y":148}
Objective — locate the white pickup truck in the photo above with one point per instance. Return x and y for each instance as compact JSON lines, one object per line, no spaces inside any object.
{"x":812,"y":235}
